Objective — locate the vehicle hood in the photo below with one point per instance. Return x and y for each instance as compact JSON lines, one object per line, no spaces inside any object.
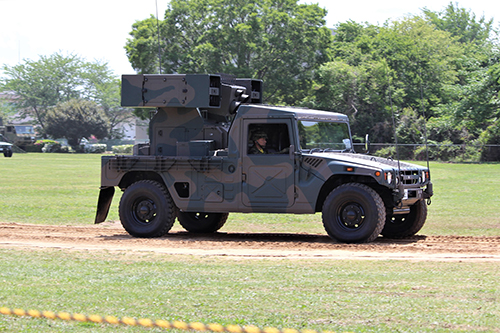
{"x":369,"y":161}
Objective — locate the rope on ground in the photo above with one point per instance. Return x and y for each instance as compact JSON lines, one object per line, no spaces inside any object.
{"x":128,"y":321}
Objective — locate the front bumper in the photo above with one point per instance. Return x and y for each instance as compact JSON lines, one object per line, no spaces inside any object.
{"x":407,"y":197}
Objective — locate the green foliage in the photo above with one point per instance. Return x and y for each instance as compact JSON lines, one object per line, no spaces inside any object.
{"x":379,"y":70}
{"x":281,"y":42}
{"x":39,"y":144}
{"x":7,"y":107}
{"x":76,"y":119}
{"x":48,"y":146}
{"x":492,"y":134}
{"x":354,"y":90}
{"x":461,"y":23}
{"x":53,"y":79}
{"x":445,"y":65}
{"x":55,"y":147}
{"x":474,"y":102}
{"x":447,"y":151}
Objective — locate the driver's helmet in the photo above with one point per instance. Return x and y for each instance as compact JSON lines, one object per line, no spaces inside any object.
{"x":259,"y":134}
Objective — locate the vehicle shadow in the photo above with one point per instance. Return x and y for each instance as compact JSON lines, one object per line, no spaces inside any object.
{"x":284,"y":238}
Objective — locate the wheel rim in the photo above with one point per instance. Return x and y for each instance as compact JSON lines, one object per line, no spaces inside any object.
{"x":199,"y":216}
{"x":144,"y":210}
{"x":351,"y":215}
{"x":398,"y":220}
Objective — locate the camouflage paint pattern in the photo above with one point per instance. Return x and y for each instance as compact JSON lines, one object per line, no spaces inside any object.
{"x":199,"y":149}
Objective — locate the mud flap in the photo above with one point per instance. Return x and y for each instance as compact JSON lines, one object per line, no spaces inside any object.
{"x":103,"y":204}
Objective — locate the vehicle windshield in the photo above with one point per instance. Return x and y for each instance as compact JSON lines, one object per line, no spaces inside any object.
{"x":324,"y":136}
{"x":24,"y":130}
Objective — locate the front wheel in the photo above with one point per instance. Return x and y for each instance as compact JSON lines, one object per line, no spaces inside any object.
{"x":353,"y":213}
{"x":147,"y":209}
{"x":406,"y":225}
{"x":7,"y":153}
{"x":202,"y":222}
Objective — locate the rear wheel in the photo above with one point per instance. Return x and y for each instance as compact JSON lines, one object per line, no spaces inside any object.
{"x":353,"y":213}
{"x":202,"y":222}
{"x":405,"y":225}
{"x":147,"y":209}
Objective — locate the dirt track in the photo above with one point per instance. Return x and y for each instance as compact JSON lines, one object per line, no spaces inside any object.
{"x":112,"y":237}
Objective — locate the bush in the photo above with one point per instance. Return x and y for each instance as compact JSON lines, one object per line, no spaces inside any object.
{"x":386,"y":152}
{"x":49,"y":146}
{"x":122,"y":149}
{"x":36,"y":147}
{"x":447,"y":151}
{"x":404,"y":152}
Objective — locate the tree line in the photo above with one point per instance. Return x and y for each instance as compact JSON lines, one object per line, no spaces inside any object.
{"x":65,"y":97}
{"x":436,"y":72}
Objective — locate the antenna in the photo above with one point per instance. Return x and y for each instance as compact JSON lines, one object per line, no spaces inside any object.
{"x":395,"y":138}
{"x":425,"y":126}
{"x":158,"y":32}
{"x":394,"y":126}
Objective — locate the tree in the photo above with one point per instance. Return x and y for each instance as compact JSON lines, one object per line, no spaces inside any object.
{"x":104,"y":89}
{"x":377,"y":70}
{"x":75,"y":119}
{"x":40,"y":85}
{"x":359,"y":92}
{"x":278,"y":41}
{"x":7,"y":108}
{"x":474,"y":103}
{"x":461,"y":23}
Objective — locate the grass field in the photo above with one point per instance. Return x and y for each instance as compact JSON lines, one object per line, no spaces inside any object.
{"x":343,"y":295}
{"x":339,"y":295}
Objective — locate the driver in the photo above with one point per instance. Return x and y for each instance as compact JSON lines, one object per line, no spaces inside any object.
{"x":259,"y":143}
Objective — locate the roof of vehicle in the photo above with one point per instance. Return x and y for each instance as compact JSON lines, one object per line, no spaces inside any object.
{"x":300,"y":113}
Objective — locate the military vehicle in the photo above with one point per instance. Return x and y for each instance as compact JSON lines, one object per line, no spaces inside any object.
{"x":198,"y":166}
{"x":18,"y":135}
{"x":6,"y":149}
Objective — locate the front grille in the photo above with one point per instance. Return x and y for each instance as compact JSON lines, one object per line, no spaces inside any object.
{"x":410,"y":177}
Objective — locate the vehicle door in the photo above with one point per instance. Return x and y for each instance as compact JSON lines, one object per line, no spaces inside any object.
{"x":268,"y":178}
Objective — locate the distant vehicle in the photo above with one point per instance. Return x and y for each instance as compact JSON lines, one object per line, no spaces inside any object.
{"x":6,"y":149}
{"x":18,"y":135}
{"x":200,"y":164}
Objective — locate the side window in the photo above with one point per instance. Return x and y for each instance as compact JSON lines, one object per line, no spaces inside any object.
{"x":268,"y":138}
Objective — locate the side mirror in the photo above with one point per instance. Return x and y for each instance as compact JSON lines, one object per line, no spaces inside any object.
{"x":347,"y":144}
{"x":367,"y":144}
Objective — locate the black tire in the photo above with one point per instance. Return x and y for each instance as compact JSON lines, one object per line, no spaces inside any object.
{"x":8,"y":153}
{"x":406,"y":225}
{"x":353,"y":213}
{"x":147,"y":209}
{"x":202,"y":222}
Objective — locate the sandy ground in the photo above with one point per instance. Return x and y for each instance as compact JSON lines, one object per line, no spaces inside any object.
{"x":110,"y":236}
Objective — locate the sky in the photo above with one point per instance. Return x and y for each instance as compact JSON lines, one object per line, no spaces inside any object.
{"x":98,"y":30}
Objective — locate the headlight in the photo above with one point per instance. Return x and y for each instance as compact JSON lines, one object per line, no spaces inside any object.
{"x":423,"y":178}
{"x":388,"y":177}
